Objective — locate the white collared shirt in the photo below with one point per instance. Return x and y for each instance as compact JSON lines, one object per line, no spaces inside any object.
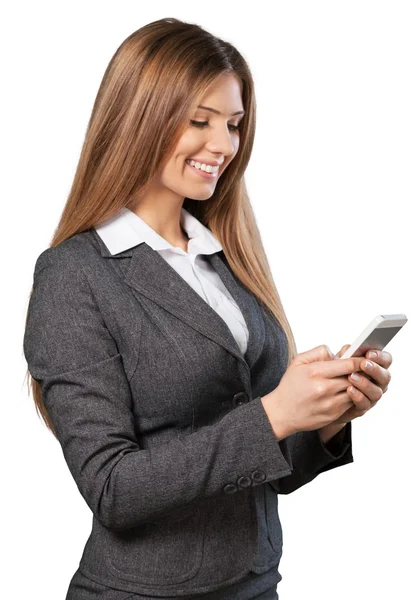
{"x":126,"y":230}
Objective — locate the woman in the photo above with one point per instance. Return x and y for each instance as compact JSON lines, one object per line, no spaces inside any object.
{"x":158,"y":349}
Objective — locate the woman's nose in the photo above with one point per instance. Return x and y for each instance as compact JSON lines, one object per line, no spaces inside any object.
{"x":221,"y":142}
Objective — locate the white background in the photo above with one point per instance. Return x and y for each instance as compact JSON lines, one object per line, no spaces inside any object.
{"x":329,"y":180}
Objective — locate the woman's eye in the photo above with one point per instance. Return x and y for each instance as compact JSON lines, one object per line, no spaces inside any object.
{"x":204,"y":123}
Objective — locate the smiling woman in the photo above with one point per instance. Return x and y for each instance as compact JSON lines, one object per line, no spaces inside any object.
{"x":155,"y":330}
{"x":206,"y":147}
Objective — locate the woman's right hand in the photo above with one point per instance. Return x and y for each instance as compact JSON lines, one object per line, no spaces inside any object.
{"x":312,"y":392}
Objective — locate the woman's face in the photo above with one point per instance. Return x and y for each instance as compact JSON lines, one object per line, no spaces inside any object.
{"x":214,"y":143}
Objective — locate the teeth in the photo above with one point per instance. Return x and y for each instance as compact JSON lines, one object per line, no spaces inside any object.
{"x":203,"y":167}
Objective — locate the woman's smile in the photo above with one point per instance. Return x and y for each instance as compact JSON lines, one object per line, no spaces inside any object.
{"x":203,"y":174}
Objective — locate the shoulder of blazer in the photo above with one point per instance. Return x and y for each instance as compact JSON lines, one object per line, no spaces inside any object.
{"x":80,"y":249}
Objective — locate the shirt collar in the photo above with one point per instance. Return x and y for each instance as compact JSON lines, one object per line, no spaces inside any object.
{"x":126,"y":230}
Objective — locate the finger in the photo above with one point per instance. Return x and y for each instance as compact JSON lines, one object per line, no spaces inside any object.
{"x":335,"y":368}
{"x":380,"y":375}
{"x":343,"y":349}
{"x":383,"y":358}
{"x":367,"y":387}
{"x":361,"y":402}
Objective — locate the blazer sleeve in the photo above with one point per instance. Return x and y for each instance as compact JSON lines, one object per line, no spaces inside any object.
{"x":71,"y":353}
{"x":309,"y":456}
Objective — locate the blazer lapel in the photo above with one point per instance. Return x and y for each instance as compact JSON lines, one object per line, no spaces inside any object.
{"x":150,"y":275}
{"x":248,"y":305}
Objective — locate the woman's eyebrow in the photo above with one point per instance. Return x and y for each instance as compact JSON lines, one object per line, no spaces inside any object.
{"x":217,"y":112}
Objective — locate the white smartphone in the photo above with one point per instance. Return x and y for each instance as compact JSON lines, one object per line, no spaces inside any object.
{"x":377,"y":335}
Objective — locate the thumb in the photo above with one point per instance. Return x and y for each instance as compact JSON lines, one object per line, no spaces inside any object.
{"x":322,"y":352}
{"x":343,"y":349}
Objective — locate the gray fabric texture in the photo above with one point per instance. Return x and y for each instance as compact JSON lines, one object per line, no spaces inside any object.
{"x":160,"y":420}
{"x":258,"y":587}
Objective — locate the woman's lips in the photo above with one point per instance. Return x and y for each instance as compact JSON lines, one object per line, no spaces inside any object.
{"x":203,"y":174}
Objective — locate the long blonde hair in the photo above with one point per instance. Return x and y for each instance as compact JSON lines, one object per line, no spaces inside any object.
{"x":151,"y":86}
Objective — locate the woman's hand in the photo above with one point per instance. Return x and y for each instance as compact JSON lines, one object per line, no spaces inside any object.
{"x":372,"y":385}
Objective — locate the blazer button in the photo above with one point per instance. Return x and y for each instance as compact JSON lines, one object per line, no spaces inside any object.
{"x":258,"y":476}
{"x":244,"y":482}
{"x":230,"y":488}
{"x":240,"y":398}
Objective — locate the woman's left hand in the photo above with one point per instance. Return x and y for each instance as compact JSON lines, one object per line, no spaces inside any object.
{"x":372,"y":385}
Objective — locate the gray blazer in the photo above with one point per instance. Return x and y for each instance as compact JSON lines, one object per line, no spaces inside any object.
{"x":160,"y":419}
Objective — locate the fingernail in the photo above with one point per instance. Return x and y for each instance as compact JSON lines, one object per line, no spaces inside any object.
{"x":355,"y":377}
{"x":372,"y":355}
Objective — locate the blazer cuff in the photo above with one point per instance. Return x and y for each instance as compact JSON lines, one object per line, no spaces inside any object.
{"x":338,"y":444}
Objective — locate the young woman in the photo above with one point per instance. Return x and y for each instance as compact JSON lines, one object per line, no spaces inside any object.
{"x":159,"y":353}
